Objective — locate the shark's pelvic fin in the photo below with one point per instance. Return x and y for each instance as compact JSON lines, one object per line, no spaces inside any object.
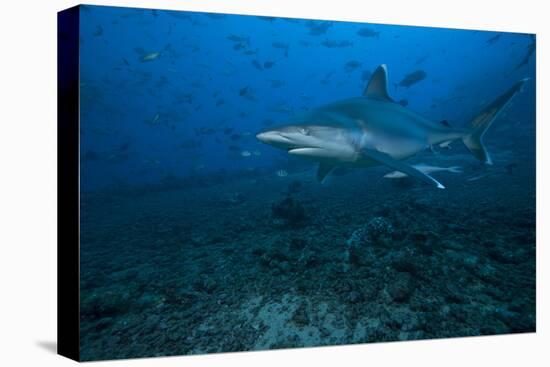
{"x":323,"y":171}
{"x":378,"y":85}
{"x":479,"y":124}
{"x":401,"y":166}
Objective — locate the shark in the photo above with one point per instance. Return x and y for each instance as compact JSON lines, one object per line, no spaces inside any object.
{"x":373,"y":129}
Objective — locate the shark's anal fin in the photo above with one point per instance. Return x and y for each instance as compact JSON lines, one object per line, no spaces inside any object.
{"x":323,"y":170}
{"x":409,"y":170}
{"x":378,"y":85}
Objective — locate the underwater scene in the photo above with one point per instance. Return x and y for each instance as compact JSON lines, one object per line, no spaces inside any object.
{"x":253,"y":183}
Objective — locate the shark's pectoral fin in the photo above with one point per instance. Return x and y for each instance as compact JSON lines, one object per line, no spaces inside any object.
{"x":409,"y":170}
{"x":323,"y":170}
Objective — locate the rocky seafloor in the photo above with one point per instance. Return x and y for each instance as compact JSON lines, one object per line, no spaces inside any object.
{"x":271,"y":262}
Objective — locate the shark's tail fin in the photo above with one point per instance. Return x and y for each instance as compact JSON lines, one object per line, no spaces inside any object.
{"x":479,"y":125}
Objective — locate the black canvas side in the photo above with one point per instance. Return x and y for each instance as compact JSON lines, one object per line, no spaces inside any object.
{"x":68,"y":323}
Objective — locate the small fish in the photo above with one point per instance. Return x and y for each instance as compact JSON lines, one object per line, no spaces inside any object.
{"x":280,"y":108}
{"x":190,"y":144}
{"x":238,"y":39}
{"x":478,"y":177}
{"x":352,"y":65}
{"x":424,"y":168}
{"x":269,"y":64}
{"x":155,"y":120}
{"x":445,"y":145}
{"x":205,"y":131}
{"x":266,"y":19}
{"x":318,"y":28}
{"x":403,"y":102}
{"x":150,"y":57}
{"x":494,"y":39}
{"x":282,"y":46}
{"x":98,"y":31}
{"x":421,"y":59}
{"x":90,"y":155}
{"x":179,"y":15}
{"x":246,"y":92}
{"x":257,"y":153}
{"x":368,"y":33}
{"x":245,"y":153}
{"x":257,"y":64}
{"x":345,"y":44}
{"x":282,"y":173}
{"x":276,"y":83}
{"x":336,"y":44}
{"x":215,"y":15}
{"x":413,"y":78}
{"x":527,"y":56}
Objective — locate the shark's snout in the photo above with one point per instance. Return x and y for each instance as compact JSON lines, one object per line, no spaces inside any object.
{"x":272,"y":137}
{"x":263,"y":137}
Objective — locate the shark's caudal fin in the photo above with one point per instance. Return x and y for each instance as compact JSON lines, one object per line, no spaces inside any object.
{"x":479,"y":125}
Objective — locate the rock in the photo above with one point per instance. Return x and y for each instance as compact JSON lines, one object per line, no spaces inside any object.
{"x":284,"y":266}
{"x":401,"y":288}
{"x":290,"y":211}
{"x":506,"y":316}
{"x":298,"y":243}
{"x":294,"y":187}
{"x":405,"y":265}
{"x":357,"y":238}
{"x":300,"y":317}
{"x":206,"y":284}
{"x":354,"y":297}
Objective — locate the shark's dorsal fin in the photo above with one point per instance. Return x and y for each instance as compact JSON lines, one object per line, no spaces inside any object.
{"x":378,"y":85}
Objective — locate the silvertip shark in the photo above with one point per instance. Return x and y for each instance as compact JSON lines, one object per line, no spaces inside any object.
{"x":373,"y":130}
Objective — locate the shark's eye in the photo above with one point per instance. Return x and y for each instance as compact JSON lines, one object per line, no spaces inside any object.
{"x":304,"y":131}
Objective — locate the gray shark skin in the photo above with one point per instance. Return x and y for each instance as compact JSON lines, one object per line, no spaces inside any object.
{"x":374,"y":130}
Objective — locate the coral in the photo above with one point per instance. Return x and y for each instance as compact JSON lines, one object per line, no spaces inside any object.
{"x":379,"y":227}
{"x":377,"y":230}
{"x":187,"y":272}
{"x":401,"y":288}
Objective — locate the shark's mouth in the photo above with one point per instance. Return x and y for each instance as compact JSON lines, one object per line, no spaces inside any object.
{"x":308,"y":152}
{"x":297,"y":149}
{"x":300,"y":148}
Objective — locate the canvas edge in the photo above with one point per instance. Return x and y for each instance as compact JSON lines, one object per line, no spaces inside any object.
{"x":68,"y":161}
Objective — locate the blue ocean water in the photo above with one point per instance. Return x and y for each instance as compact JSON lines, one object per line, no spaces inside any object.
{"x":197,"y":238}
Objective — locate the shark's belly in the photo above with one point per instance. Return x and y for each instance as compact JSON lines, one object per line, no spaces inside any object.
{"x":398,"y":146}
